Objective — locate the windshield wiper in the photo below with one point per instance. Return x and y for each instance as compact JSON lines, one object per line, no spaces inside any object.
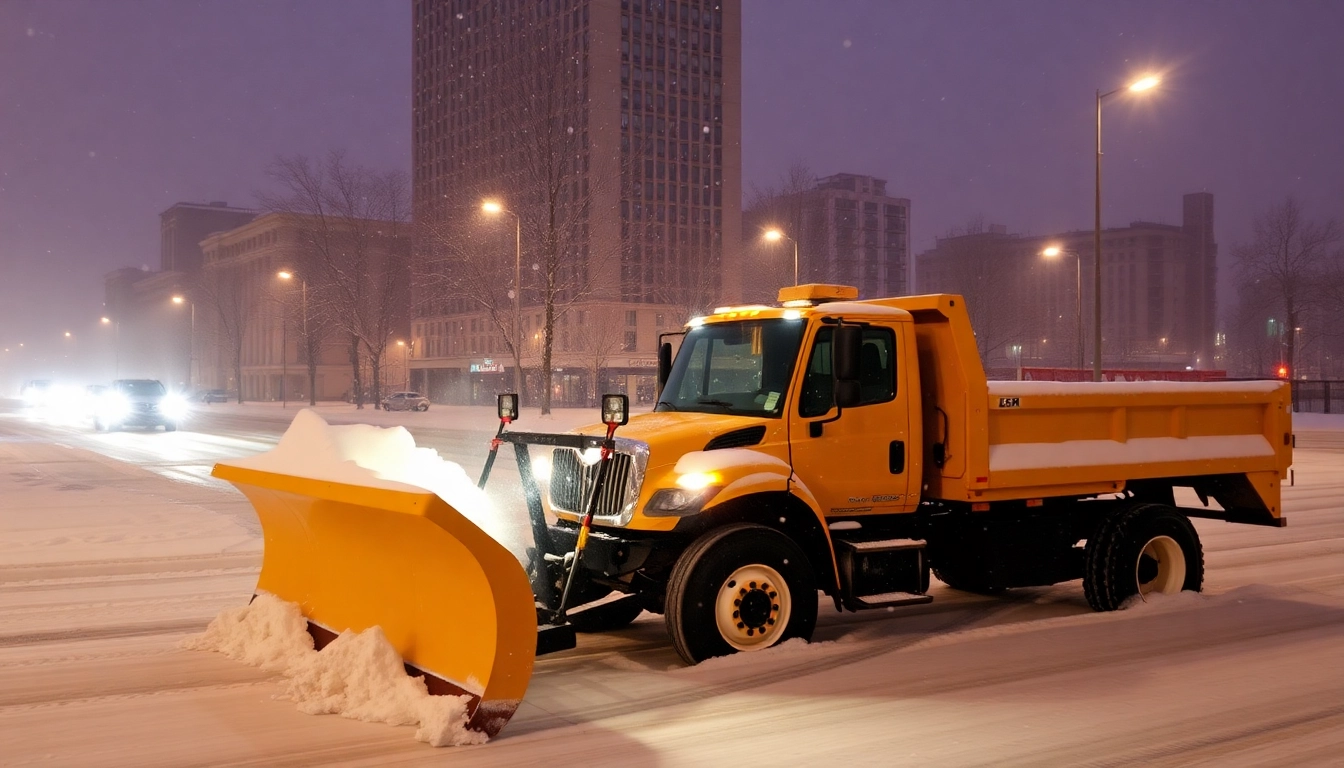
{"x":663,"y":405}
{"x":712,"y":401}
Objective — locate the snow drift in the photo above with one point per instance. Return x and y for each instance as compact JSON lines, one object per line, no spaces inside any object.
{"x":358,"y":675}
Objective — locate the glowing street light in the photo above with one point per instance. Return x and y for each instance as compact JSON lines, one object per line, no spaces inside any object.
{"x":774,"y":236}
{"x":1055,"y":251}
{"x":179,"y":300}
{"x":1141,"y":85}
{"x":495,"y":208}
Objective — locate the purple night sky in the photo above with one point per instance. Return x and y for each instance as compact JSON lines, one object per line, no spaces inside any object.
{"x":112,"y":111}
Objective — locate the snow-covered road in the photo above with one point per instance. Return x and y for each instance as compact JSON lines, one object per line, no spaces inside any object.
{"x":113,"y":548}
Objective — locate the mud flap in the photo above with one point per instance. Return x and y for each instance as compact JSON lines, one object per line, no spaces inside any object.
{"x":455,"y":604}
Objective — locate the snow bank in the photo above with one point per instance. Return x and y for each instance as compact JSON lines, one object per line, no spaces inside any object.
{"x":1024,"y":388}
{"x":385,"y":457}
{"x":358,"y":675}
{"x":1100,"y":453}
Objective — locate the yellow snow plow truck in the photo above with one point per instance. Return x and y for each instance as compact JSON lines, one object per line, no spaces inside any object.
{"x":826,"y":445}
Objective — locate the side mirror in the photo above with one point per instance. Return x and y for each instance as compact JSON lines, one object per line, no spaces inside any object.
{"x":664,"y":364}
{"x":508,"y":407}
{"x":848,"y":341}
{"x":615,"y":410}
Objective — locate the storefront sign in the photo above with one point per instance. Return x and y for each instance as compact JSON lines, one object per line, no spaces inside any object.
{"x":487,"y":366}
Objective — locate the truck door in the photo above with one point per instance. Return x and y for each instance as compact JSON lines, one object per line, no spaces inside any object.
{"x":857,"y":464}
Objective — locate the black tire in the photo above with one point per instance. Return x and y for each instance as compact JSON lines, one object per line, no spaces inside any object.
{"x":703,"y":583}
{"x":960,"y":574}
{"x":98,"y":425}
{"x":607,"y":616}
{"x":1141,"y":549}
{"x":169,"y":426}
{"x":422,"y":407}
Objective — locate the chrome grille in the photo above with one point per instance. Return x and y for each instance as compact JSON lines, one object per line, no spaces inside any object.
{"x":572,"y":483}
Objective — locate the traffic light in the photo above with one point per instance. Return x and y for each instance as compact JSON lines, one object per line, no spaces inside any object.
{"x":1283,"y":372}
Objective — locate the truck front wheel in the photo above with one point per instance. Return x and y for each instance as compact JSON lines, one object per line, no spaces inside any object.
{"x":1142,"y":550}
{"x":739,"y":588}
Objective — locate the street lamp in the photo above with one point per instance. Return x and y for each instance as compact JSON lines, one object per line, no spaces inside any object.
{"x":191,"y":340}
{"x":1055,"y":251}
{"x":774,"y":236}
{"x":1143,"y":84}
{"x":494,"y":208}
{"x":286,"y":274}
{"x":407,"y":352}
{"x":116,"y":344}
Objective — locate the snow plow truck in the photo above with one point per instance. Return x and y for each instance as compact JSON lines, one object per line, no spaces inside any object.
{"x":825,"y":446}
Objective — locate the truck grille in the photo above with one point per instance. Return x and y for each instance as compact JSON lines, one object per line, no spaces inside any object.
{"x":572,"y":483}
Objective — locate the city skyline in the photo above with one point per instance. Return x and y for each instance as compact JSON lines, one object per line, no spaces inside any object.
{"x":119,"y":114}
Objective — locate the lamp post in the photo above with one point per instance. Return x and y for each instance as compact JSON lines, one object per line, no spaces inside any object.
{"x":1053,"y":252}
{"x":774,"y":236}
{"x":191,"y":340}
{"x":287,"y":274}
{"x":116,"y":344}
{"x":407,"y":352}
{"x":1137,"y":86}
{"x":494,"y":208}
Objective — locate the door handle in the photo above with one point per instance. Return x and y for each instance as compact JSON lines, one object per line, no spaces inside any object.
{"x":896,"y":456}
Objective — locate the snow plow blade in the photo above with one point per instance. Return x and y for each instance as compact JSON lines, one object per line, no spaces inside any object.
{"x":455,"y":604}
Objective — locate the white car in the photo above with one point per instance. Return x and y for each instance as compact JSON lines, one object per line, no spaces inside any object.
{"x":405,"y":401}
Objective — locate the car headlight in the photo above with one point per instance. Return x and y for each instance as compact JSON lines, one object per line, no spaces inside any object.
{"x":114,"y":407}
{"x":173,"y":407}
{"x":679,"y":502}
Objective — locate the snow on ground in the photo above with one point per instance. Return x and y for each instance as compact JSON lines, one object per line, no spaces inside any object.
{"x":106,"y":566}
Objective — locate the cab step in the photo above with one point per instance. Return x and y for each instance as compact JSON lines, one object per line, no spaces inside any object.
{"x":882,"y":573}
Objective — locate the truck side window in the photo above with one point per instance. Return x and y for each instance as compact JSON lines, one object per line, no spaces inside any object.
{"x":877,"y":372}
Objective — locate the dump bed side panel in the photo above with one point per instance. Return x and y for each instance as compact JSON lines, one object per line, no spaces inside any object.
{"x":1050,"y":439}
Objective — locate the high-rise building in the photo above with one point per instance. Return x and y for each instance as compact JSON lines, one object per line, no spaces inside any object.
{"x":847,"y":230}
{"x":1158,"y":291}
{"x":609,"y":133}
{"x":184,"y":225}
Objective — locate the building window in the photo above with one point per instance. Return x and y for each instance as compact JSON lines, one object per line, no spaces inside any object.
{"x":630,"y":341}
{"x":631,"y":318}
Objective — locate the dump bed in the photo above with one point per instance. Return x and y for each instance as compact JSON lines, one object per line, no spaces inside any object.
{"x":994,"y":441}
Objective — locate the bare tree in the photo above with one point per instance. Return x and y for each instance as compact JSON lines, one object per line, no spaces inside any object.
{"x":224,"y":291}
{"x":355,"y":254}
{"x":1287,"y":259}
{"x":975,"y":265}
{"x":600,"y":335}
{"x":538,"y":93}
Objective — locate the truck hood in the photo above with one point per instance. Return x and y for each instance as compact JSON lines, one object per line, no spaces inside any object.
{"x":672,"y":434}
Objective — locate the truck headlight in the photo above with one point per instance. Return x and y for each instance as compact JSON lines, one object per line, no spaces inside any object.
{"x":679,"y":502}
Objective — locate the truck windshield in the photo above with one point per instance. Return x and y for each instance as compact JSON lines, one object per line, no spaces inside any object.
{"x":740,"y":368}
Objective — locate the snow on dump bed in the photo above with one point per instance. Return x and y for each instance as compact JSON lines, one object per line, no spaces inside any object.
{"x":385,"y":457}
{"x":1023,"y":388}
{"x":358,"y":675}
{"x":1097,"y":453}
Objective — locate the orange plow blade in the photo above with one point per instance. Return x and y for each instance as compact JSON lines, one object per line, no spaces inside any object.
{"x":454,"y":603}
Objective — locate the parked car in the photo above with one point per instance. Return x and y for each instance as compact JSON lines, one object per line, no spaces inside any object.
{"x":213,"y":396}
{"x":138,"y":403}
{"x":405,"y":401}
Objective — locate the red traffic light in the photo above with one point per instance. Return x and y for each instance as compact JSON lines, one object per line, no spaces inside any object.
{"x":1283,"y":371}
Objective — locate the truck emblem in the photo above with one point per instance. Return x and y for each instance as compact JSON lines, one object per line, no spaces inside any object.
{"x":1009,"y":402}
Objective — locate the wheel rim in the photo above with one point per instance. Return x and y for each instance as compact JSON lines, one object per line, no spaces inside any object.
{"x":753,"y":607}
{"x":1161,"y":567}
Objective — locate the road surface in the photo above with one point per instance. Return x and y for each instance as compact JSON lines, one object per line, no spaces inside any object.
{"x":116,"y":546}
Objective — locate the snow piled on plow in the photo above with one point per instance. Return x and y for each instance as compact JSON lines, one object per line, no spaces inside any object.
{"x":385,"y":457}
{"x":358,"y":675}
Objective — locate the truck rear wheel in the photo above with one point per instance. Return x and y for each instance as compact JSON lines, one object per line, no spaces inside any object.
{"x":1141,"y":550}
{"x":739,"y":588}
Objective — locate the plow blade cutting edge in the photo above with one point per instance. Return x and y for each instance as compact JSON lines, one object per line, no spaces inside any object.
{"x":454,"y":603}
